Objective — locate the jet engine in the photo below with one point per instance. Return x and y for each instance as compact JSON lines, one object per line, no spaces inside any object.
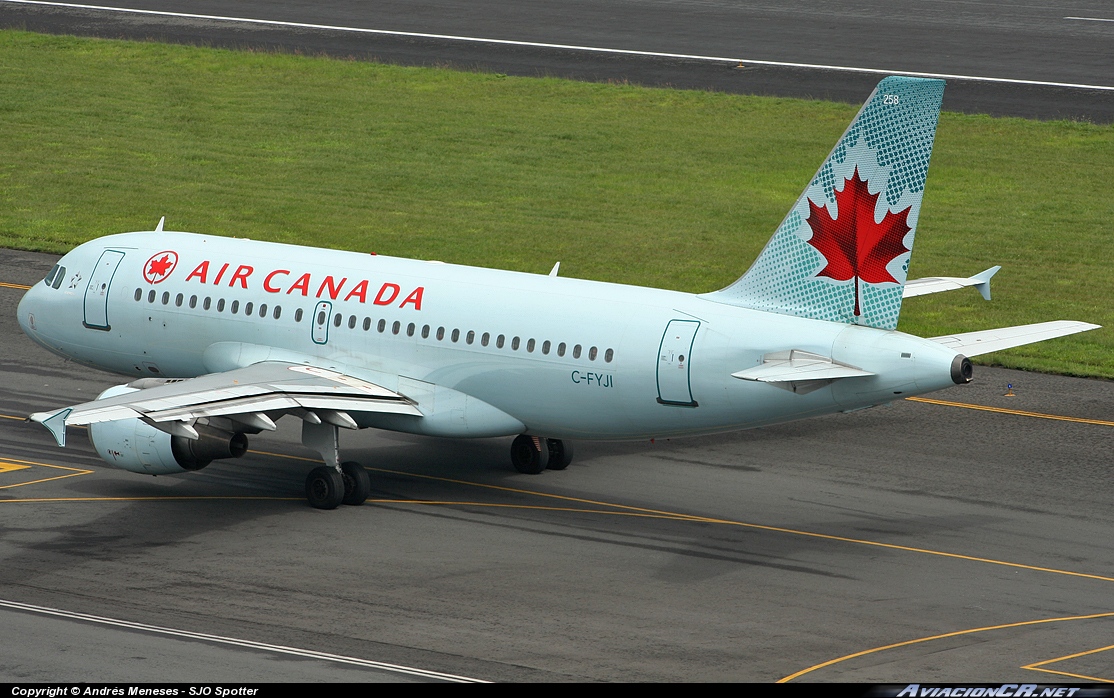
{"x":134,"y":445}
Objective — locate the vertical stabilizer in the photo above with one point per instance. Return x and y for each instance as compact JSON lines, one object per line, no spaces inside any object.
{"x":842,"y":253}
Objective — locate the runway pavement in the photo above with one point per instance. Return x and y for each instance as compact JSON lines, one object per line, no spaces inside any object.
{"x":797,"y":49}
{"x":973,"y":543}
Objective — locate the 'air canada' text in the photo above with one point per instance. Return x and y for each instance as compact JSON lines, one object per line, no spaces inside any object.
{"x":287,"y":283}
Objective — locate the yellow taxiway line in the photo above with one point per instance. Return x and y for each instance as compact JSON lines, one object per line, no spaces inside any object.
{"x":11,"y":464}
{"x":19,"y":286}
{"x":1004,"y":410}
{"x":1038,"y":666}
{"x":956,"y":633}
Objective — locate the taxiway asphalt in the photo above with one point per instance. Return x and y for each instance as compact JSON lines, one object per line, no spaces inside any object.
{"x":788,"y":49}
{"x":975,"y":540}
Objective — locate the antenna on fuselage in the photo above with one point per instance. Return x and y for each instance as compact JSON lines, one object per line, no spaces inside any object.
{"x":553,"y":271}
{"x":158,"y":228}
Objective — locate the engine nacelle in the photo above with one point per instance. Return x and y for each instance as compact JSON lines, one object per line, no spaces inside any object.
{"x":133,"y":445}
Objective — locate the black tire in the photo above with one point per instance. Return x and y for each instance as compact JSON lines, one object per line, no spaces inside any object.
{"x":527,"y":456}
{"x":357,"y":483}
{"x":560,"y":454}
{"x":324,"y":488}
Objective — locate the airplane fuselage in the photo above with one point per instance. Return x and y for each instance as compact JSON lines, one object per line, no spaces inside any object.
{"x":483,"y":352}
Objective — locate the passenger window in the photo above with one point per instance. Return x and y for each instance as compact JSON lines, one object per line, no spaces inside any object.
{"x":396,"y":327}
{"x":278,"y":311}
{"x":367,"y":324}
{"x":165,"y":297}
{"x":248,"y":308}
{"x":351,"y":322}
{"x":530,"y":345}
{"x":609,"y":355}
{"x":576,"y":352}
{"x":499,"y":342}
{"x":322,"y":318}
{"x":410,"y":329}
{"x":337,"y":320}
{"x":470,"y":337}
{"x":178,"y":300}
{"x":456,"y":335}
{"x":545,"y":346}
{"x":561,"y":349}
{"x":425,"y":331}
{"x":138,"y":293}
{"x":208,"y":303}
{"x":220,"y":306}
{"x":235,"y":307}
{"x":151,"y":296}
{"x":485,"y":338}
{"x":298,"y":315}
{"x":440,"y":333}
{"x":262,"y":310}
{"x":382,"y":325}
{"x":514,"y":344}
{"x":193,"y":301}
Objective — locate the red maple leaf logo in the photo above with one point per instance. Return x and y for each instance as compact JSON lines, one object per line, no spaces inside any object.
{"x":159,"y":266}
{"x":854,"y":246}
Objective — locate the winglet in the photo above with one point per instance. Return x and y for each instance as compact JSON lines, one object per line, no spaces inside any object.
{"x":158,"y":228}
{"x":983,"y":279}
{"x":55,"y":422}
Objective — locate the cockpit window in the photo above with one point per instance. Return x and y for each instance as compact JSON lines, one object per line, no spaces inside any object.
{"x":56,"y":275}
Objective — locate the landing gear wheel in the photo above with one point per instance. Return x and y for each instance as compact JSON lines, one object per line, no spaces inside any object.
{"x":324,"y":488}
{"x":560,"y":454}
{"x":357,"y":484}
{"x":529,"y":454}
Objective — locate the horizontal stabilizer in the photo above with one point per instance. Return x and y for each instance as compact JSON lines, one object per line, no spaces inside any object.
{"x":798,"y":365}
{"x":986,"y":341}
{"x":939,"y":284}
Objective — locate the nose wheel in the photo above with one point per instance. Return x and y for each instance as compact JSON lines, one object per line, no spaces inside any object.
{"x":532,"y":454}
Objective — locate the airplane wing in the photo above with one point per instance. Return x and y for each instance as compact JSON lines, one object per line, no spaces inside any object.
{"x":243,"y":395}
{"x":939,"y":284}
{"x":986,"y":341}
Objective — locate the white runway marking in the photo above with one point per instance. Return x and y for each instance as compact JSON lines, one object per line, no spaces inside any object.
{"x":1091,"y":19}
{"x":217,"y":639}
{"x":569,"y":47}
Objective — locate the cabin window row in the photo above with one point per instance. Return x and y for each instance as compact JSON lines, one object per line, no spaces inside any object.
{"x":219,"y":305}
{"x":470,"y":337}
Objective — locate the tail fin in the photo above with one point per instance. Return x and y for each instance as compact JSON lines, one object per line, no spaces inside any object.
{"x":842,"y":253}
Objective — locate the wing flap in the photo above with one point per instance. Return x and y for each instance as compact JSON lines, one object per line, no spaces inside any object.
{"x":986,"y":341}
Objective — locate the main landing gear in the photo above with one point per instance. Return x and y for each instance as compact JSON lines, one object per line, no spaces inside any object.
{"x":533,"y":454}
{"x":328,"y":486}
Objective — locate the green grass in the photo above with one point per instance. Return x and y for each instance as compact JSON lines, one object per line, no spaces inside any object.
{"x":668,"y":188}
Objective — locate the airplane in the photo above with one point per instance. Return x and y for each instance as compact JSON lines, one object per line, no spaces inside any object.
{"x":223,"y":337}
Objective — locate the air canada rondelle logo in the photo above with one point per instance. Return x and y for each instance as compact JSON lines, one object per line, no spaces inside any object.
{"x":159,"y":266}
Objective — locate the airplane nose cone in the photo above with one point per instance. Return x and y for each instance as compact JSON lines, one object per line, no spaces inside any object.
{"x":27,"y":311}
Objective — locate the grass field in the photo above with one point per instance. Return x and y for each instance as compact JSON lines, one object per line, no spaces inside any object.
{"x":669,"y":188}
